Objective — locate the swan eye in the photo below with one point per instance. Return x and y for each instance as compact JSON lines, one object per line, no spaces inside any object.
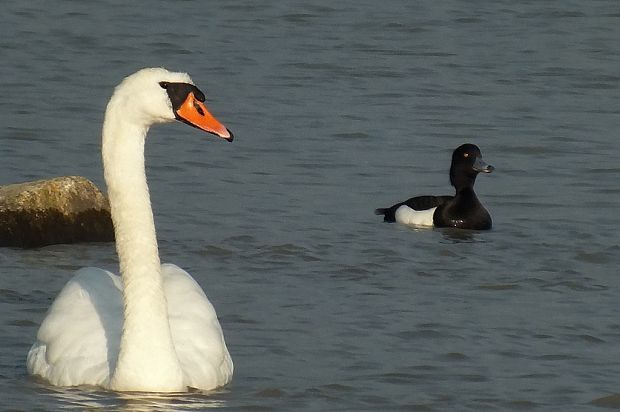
{"x":164,"y":85}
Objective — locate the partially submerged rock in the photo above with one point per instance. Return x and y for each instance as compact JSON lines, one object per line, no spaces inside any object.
{"x":67,"y":209}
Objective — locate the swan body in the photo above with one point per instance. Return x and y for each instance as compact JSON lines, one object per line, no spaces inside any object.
{"x":153,"y":328}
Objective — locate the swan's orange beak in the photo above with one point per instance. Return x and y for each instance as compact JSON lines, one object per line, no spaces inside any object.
{"x":195,"y":113}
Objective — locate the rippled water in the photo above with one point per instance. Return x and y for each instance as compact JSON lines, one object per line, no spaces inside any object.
{"x":338,"y":108}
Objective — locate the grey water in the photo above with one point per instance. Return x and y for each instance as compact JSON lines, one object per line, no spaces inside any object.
{"x":339,"y":108}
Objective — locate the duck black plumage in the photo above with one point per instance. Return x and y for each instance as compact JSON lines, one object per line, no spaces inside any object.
{"x":463,"y":210}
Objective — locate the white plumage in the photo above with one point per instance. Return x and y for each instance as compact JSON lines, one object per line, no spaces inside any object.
{"x":152,"y":328}
{"x":408,"y":216}
{"x":79,"y":340}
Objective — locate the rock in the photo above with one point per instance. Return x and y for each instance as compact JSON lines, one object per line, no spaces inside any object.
{"x":67,"y":209}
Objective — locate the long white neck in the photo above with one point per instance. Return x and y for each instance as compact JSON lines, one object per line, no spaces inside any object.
{"x":147,"y":360}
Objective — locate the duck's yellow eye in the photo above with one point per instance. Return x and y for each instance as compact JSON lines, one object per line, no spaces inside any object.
{"x":465,"y":154}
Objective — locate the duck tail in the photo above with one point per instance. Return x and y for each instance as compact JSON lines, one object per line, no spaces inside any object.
{"x":381,"y":211}
{"x":388,"y":213}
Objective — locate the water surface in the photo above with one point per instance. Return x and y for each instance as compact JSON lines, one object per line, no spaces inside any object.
{"x":339,"y":108}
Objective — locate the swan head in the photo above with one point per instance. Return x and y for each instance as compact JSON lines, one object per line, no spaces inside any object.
{"x":156,"y":95}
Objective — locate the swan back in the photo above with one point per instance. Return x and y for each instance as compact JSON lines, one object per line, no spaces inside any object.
{"x":78,"y":341}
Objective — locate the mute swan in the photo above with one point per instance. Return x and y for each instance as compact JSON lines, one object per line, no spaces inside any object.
{"x":463,"y":210}
{"x":151,"y":329}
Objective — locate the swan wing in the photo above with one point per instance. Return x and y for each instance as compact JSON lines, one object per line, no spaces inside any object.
{"x":77,"y":343}
{"x":196,"y":331}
